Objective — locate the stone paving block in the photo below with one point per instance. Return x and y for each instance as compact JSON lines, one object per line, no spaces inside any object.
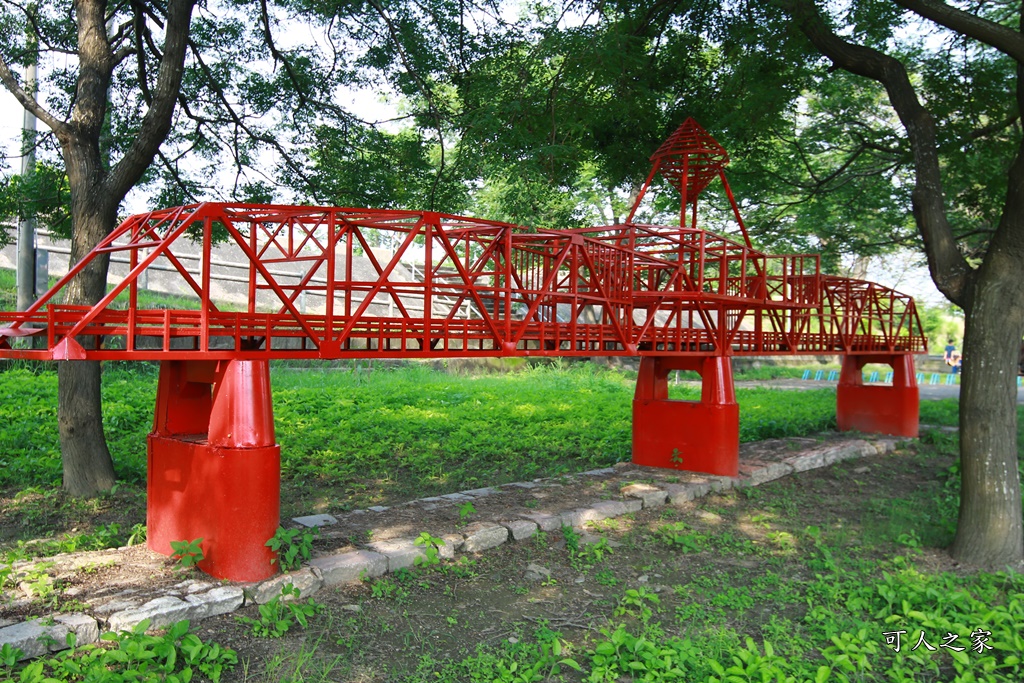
{"x":481,"y":492}
{"x":161,"y":612}
{"x":632,"y":505}
{"x":401,"y":552}
{"x":85,"y":628}
{"x":220,"y":600}
{"x":520,"y":485}
{"x":650,"y":496}
{"x":378,"y":508}
{"x":833,"y":454}
{"x":757,"y":473}
{"x":350,"y":566}
{"x":598,"y":473}
{"x":28,"y":636}
{"x":720,"y":484}
{"x":545,"y":521}
{"x":520,"y":528}
{"x":308,"y":580}
{"x":457,"y":497}
{"x":483,"y":536}
{"x":452,"y":542}
{"x":600,"y":510}
{"x":116,"y":605}
{"x":36,"y":638}
{"x":574,"y":518}
{"x":683,"y":493}
{"x":807,"y":461}
{"x":315,"y":520}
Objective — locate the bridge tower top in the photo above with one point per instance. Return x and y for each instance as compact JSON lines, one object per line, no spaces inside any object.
{"x":689,"y":160}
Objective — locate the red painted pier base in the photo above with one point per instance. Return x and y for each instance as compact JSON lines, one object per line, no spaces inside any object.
{"x":215,"y":466}
{"x":698,"y":436}
{"x":878,"y":408}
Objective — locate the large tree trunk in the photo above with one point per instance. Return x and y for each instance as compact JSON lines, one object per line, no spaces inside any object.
{"x":88,"y":467}
{"x":990,"y":531}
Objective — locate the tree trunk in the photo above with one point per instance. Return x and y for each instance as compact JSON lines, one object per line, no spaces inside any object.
{"x":990,"y":531}
{"x":88,"y":467}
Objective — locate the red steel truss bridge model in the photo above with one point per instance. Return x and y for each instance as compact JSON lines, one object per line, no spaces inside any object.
{"x":330,"y":283}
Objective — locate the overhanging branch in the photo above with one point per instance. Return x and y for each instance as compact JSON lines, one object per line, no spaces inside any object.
{"x":949,"y":270}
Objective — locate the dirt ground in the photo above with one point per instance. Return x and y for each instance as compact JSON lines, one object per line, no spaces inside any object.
{"x":383,"y":629}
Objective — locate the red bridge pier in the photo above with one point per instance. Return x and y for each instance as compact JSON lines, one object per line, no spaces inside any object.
{"x":214,"y":465}
{"x":703,"y":436}
{"x":698,"y":436}
{"x":878,"y":408}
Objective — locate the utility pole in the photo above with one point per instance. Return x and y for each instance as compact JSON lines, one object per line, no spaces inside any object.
{"x":27,"y":222}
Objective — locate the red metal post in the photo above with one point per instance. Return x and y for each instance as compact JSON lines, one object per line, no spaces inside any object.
{"x":878,"y":408}
{"x":214,"y":465}
{"x":698,"y":436}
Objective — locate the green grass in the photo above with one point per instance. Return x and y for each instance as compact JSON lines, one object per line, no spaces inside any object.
{"x":410,"y":425}
{"x":395,"y":430}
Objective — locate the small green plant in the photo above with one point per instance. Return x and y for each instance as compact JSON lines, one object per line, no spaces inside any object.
{"x":637,"y":603}
{"x":138,"y":535}
{"x":277,"y":616}
{"x":465,"y":510}
{"x":606,"y":577}
{"x":431,"y":550}
{"x":680,"y":536}
{"x":292,"y":546}
{"x":174,"y":656}
{"x":9,"y":656}
{"x":386,"y":589}
{"x":677,"y":458}
{"x":187,"y":553}
{"x":572,"y":546}
{"x":594,"y":553}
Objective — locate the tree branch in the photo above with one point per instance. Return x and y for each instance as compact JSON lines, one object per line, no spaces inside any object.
{"x":1004,"y":39}
{"x":27,"y":101}
{"x":278,"y":57}
{"x":949,"y":270}
{"x":237,"y":121}
{"x":157,"y":122}
{"x":428,"y":93}
{"x":985,"y":131}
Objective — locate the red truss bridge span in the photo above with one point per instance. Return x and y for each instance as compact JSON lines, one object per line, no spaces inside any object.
{"x":330,"y":283}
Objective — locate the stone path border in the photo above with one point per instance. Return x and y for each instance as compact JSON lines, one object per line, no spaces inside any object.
{"x":197,"y":600}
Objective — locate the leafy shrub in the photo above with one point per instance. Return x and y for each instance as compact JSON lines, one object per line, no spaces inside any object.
{"x":279,"y":615}
{"x":293,"y":546}
{"x":176,"y":656}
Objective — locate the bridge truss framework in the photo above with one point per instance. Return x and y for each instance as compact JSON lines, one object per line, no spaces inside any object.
{"x":679,"y":297}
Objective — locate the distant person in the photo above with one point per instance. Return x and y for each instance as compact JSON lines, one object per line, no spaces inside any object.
{"x":952,"y":357}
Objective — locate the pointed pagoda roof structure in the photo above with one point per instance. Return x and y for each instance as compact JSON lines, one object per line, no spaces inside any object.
{"x":689,"y":160}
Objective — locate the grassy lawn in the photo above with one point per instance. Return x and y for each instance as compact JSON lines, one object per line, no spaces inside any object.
{"x":354,"y":438}
{"x":797,"y":580}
